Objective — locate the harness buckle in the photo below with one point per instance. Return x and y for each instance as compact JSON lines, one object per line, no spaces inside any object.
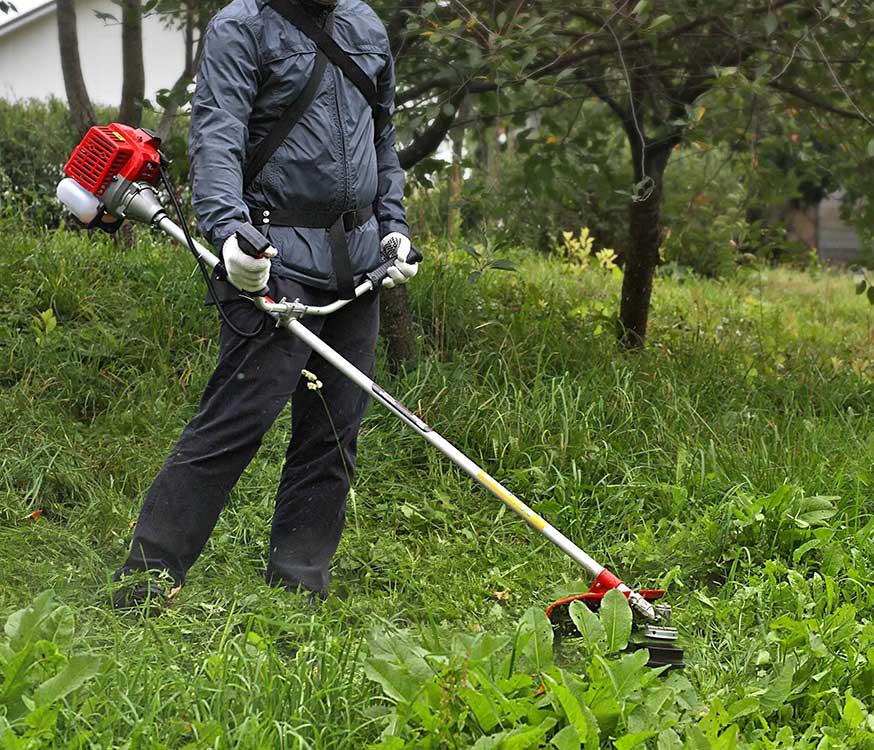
{"x":349,"y":219}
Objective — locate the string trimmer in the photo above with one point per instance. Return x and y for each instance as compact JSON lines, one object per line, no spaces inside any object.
{"x":112,"y":176}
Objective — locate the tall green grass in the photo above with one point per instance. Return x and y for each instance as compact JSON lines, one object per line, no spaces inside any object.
{"x":660,"y":464}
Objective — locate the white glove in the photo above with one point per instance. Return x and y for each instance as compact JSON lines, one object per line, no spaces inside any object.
{"x":401,"y":272}
{"x":245,"y":272}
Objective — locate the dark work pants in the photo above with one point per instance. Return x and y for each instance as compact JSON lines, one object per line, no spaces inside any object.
{"x":252,"y":382}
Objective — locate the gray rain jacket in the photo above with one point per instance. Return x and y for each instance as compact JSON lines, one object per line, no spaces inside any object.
{"x":254,"y":64}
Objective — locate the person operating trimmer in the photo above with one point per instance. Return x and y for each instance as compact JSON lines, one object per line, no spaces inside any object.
{"x":285,"y":139}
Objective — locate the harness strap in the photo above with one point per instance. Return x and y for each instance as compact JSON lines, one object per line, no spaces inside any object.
{"x":323,"y":40}
{"x":317,"y":217}
{"x":287,"y":120}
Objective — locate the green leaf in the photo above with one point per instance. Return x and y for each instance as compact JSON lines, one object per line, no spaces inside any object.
{"x":641,"y":8}
{"x":861,"y":286}
{"x":523,"y":738}
{"x":570,"y":706}
{"x":616,"y":619}
{"x":567,"y":739}
{"x":484,"y":710}
{"x":871,"y":147}
{"x":589,"y":625}
{"x":804,"y":549}
{"x":503,"y":265}
{"x":43,"y":620}
{"x":871,"y":295}
{"x":715,"y":720}
{"x":659,"y":21}
{"x":635,"y":739}
{"x":813,"y":511}
{"x":780,"y":688}
{"x":538,"y":645}
{"x":628,"y":673}
{"x":854,"y":712}
{"x":669,"y":740}
{"x":76,"y":673}
{"x":770,"y":24}
{"x":396,"y":682}
{"x":484,"y":646}
{"x":743,"y":707}
{"x":16,"y":682}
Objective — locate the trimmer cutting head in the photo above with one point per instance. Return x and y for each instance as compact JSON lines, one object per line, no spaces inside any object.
{"x":659,"y":638}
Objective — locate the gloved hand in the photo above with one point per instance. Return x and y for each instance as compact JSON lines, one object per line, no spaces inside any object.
{"x":401,"y":272}
{"x":244,"y":272}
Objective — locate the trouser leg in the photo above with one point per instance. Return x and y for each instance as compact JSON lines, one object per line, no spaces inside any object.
{"x":251,"y":384}
{"x":320,"y":461}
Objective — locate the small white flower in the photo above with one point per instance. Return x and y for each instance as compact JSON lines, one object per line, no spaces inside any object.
{"x":308,"y":375}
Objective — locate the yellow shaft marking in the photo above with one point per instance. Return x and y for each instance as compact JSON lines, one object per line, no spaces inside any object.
{"x":514,"y":502}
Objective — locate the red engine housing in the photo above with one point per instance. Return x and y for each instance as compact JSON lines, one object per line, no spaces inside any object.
{"x":110,"y":150}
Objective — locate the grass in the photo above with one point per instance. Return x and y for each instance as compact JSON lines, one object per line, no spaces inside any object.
{"x":686,"y":466}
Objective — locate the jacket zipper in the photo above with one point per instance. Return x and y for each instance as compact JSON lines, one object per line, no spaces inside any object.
{"x":345,"y":159}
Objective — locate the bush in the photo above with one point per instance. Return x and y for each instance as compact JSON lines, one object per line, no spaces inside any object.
{"x":37,"y":138}
{"x":548,"y":178}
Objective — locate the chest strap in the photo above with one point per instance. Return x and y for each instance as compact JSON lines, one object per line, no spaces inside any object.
{"x":306,"y":24}
{"x":337,"y":224}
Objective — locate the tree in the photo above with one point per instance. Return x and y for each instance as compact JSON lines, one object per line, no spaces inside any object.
{"x":81,"y":109}
{"x":133,"y":88}
{"x":648,"y":61}
{"x":669,"y":62}
{"x":193,"y":18}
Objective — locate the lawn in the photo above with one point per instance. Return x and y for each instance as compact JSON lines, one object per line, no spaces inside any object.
{"x":731,"y":463}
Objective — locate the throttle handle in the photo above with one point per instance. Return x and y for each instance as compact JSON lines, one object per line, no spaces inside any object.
{"x":255,"y":245}
{"x":252,"y":242}
{"x":380,"y":273}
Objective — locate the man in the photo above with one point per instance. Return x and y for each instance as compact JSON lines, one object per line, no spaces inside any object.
{"x":326,"y":199}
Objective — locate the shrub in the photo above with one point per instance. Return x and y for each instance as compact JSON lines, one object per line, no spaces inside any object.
{"x":37,"y":138}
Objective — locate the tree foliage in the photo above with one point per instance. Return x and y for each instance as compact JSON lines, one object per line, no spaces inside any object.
{"x":551,"y":83}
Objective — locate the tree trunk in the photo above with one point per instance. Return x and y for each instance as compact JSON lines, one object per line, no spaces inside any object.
{"x":644,"y":224}
{"x":74,"y":83}
{"x":396,"y":325}
{"x":192,"y":59}
{"x":456,"y":178}
{"x":133,"y":88}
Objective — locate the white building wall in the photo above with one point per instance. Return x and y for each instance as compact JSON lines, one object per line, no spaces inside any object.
{"x":30,"y":63}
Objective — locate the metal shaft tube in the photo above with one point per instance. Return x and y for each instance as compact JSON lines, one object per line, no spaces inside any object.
{"x":447,"y":449}
{"x":295,"y":327}
{"x":165,"y":224}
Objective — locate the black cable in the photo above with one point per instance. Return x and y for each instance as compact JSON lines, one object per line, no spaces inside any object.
{"x":168,"y":186}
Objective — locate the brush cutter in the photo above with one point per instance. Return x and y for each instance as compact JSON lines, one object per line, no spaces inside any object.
{"x":112,"y":176}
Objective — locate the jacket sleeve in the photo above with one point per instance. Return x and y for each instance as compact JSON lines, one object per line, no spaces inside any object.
{"x":227,"y":82}
{"x":390,"y":190}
